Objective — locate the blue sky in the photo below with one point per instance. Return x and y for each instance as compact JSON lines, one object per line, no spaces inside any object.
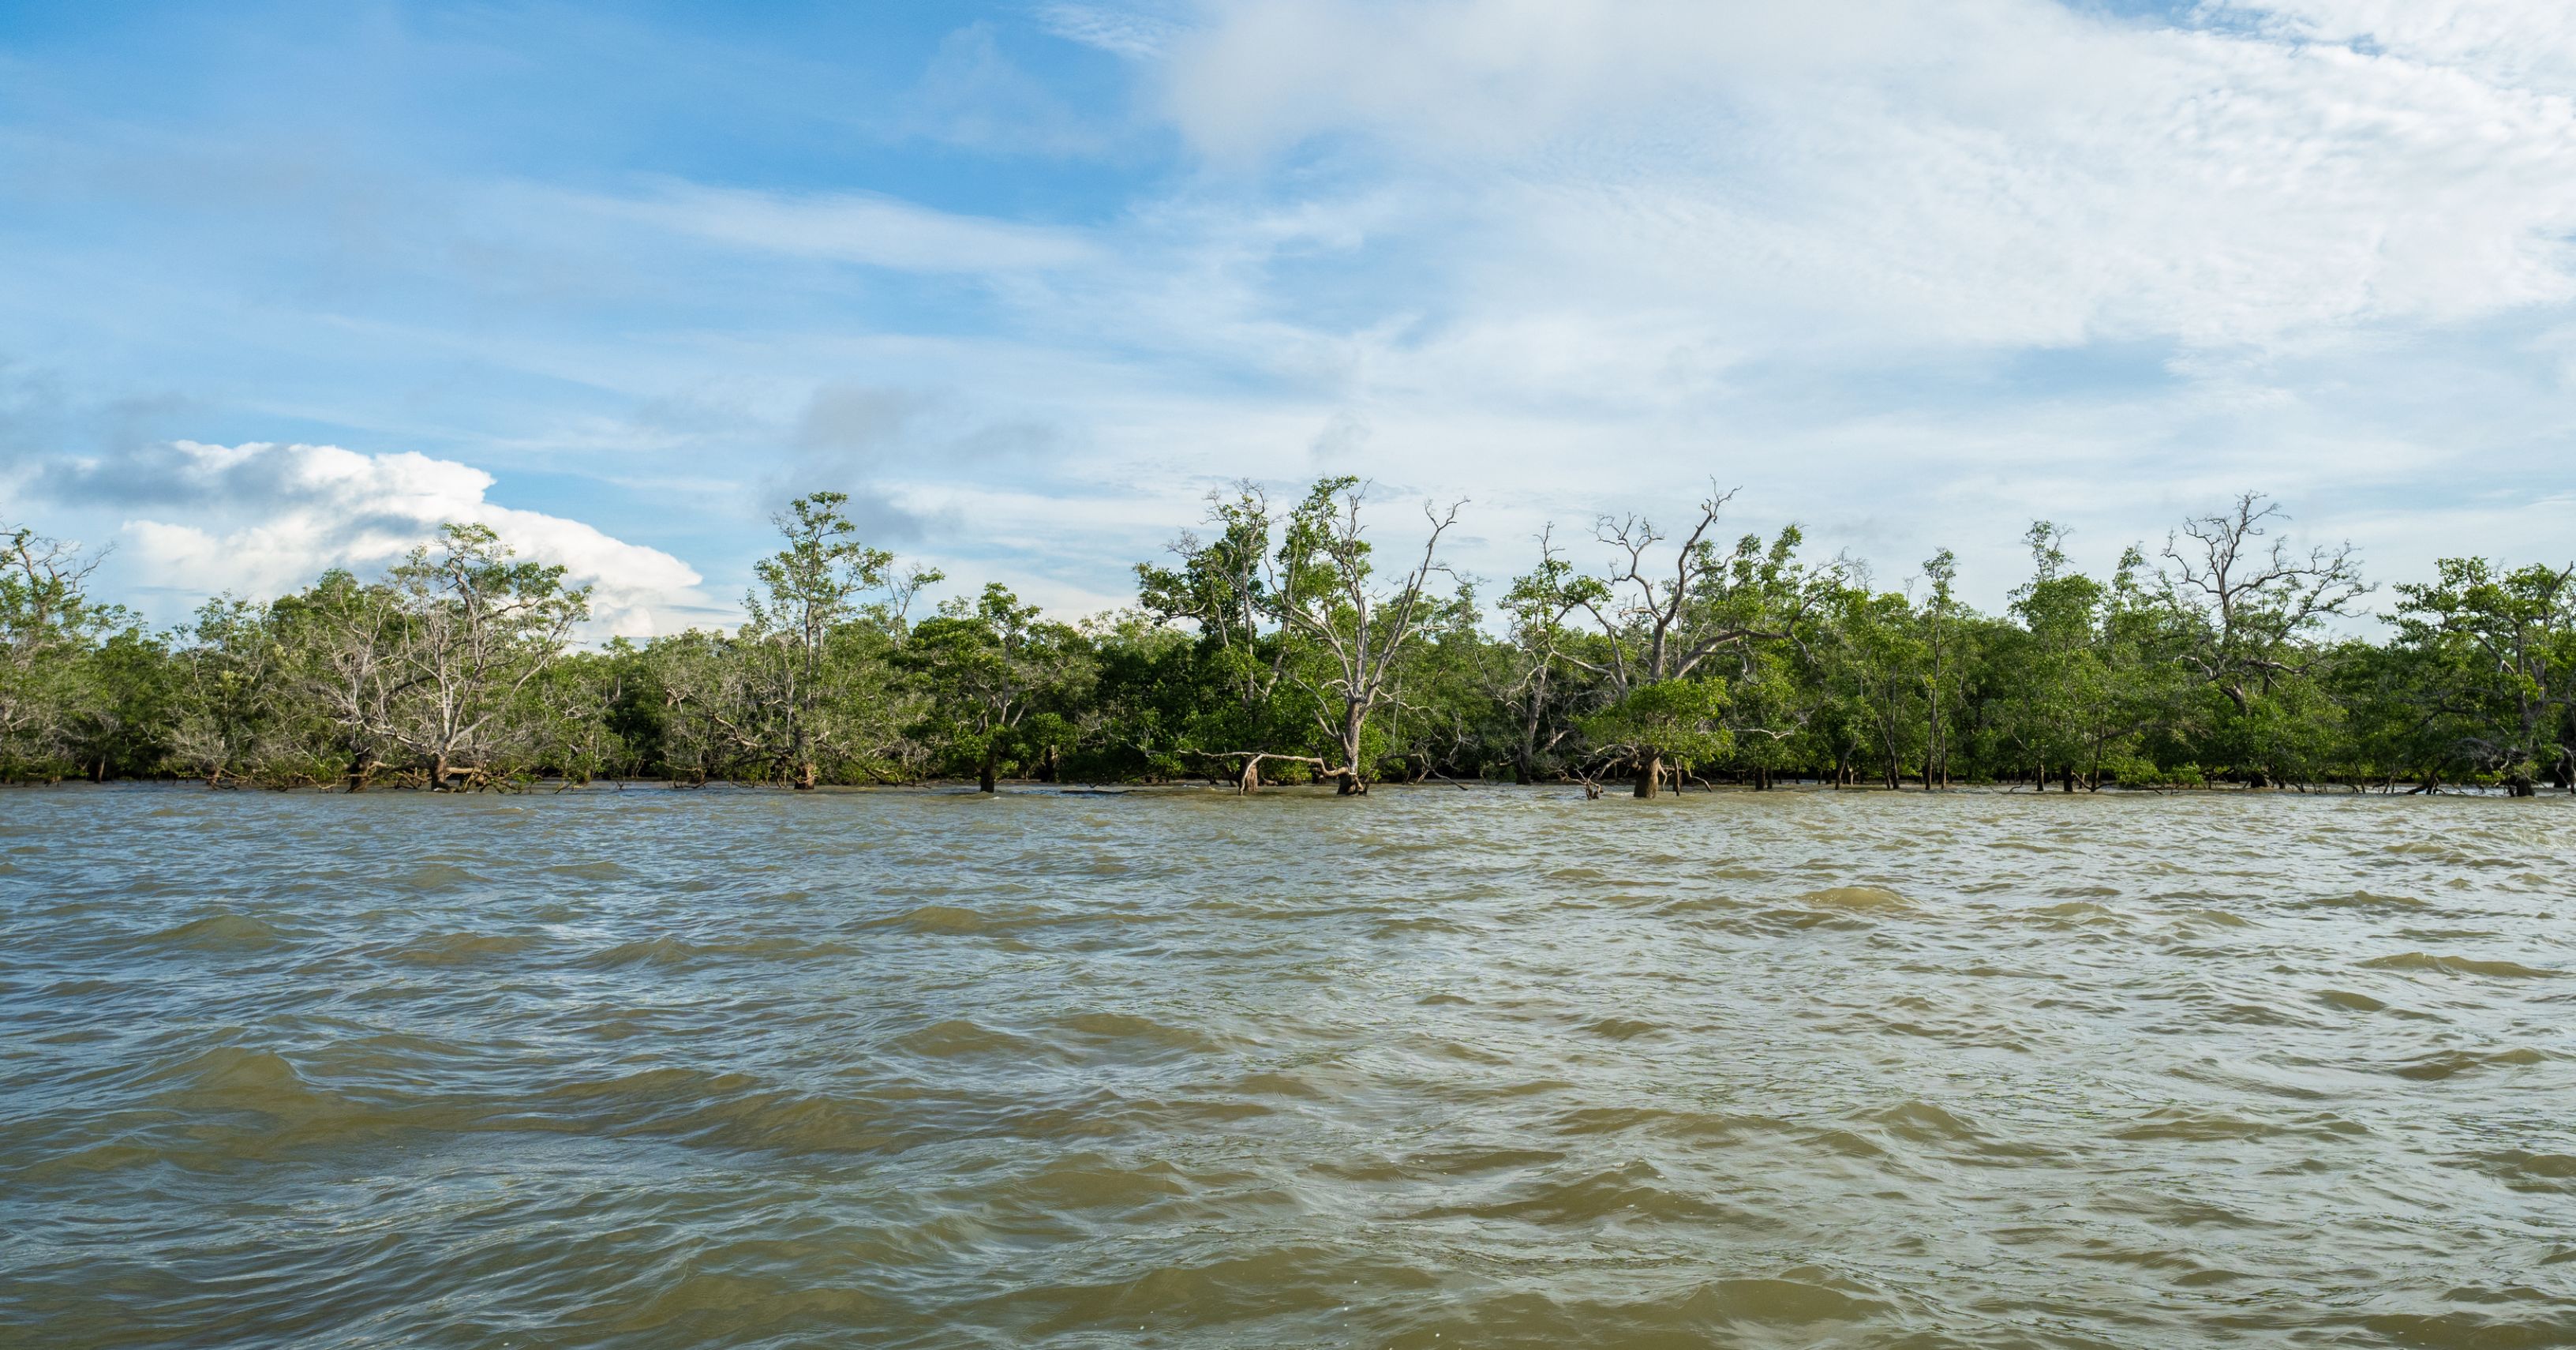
{"x":286,"y":284}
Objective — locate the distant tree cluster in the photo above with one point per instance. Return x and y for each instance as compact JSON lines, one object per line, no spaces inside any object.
{"x":1275,"y":647}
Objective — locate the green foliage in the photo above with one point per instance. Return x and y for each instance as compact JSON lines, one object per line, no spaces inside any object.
{"x":1278,"y":646}
{"x":1680,"y":720}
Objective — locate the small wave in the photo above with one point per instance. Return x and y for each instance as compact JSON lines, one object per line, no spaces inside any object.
{"x":458,"y":949}
{"x":2366,"y":900}
{"x":2193,"y":1127}
{"x":1925,"y":1123}
{"x":260,"y":1082}
{"x":711,"y":1109}
{"x":1262,"y":1282}
{"x":2467,"y":1330}
{"x":2435,"y":1068}
{"x":1469,"y":1161}
{"x":1090,"y":1181}
{"x":1622,"y":1194}
{"x":1276,"y":1085}
{"x":1106,"y":1028}
{"x":671,"y":952}
{"x":1867,"y":899}
{"x":223,"y":932}
{"x":953,"y":919}
{"x":2522,"y":1170}
{"x":2455,"y":965}
{"x":1801,"y":1297}
{"x":2075,"y":914}
{"x":591,"y":871}
{"x":647,"y":952}
{"x":714,"y":1308}
{"x":958,"y":1038}
{"x":430,"y":878}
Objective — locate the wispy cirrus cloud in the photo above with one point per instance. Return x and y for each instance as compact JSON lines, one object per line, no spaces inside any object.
{"x":851,"y":227}
{"x":1123,"y":30}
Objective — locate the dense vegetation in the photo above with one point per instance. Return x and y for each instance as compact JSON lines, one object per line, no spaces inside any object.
{"x":1276,"y":647}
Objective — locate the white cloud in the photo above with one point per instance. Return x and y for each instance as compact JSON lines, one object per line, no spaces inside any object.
{"x":306,"y":508}
{"x":1558,"y":255}
{"x":1127,"y":32}
{"x":1995,"y":171}
{"x":852,"y":227}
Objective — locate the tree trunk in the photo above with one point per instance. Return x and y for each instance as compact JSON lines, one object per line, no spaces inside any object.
{"x":1046,"y":766}
{"x":1521,"y":771}
{"x":805,"y":776}
{"x":988,"y":775}
{"x":1354,"y":729}
{"x":1250,"y":782}
{"x":2066,"y":778}
{"x":1650,"y":776}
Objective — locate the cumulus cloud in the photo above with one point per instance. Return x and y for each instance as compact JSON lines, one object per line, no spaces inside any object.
{"x":265,"y":518}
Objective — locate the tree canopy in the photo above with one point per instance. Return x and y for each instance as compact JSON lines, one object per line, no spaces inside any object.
{"x":1280,"y":645}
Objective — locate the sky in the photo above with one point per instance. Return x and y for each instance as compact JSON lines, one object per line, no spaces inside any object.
{"x":284,"y":286}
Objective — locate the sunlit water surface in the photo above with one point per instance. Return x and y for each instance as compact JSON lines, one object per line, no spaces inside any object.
{"x":1433,"y":1068}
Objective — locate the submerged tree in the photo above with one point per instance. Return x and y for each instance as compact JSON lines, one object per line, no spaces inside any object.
{"x":1660,"y":625}
{"x":50,"y":629}
{"x":1327,"y":593}
{"x":1280,"y":645}
{"x":1941,"y":658}
{"x":1338,"y":631}
{"x":806,"y":684}
{"x":2504,"y":646}
{"x":2243,"y":613}
{"x":470,"y":630}
{"x":1529,"y":675}
{"x":992,"y":667}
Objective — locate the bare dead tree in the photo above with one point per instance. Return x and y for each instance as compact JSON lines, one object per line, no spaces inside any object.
{"x":1664,"y":622}
{"x":2242,"y":598}
{"x":1326,"y":593}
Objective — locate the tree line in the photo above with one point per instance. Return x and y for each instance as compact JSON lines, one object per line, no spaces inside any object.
{"x":1276,"y":644}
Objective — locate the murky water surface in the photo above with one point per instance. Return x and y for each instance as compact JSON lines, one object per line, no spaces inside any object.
{"x":1430,"y":1069}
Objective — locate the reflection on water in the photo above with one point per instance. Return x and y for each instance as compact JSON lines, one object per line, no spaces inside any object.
{"x":1426,"y":1069}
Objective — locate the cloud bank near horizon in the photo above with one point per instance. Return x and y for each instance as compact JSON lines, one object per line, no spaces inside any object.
{"x":1029,"y":281}
{"x":265,"y":519}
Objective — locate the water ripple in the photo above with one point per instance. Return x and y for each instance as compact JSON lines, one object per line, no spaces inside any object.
{"x":1428,"y":1069}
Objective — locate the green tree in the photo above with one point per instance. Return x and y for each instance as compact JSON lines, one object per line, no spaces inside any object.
{"x":2245,"y":615}
{"x":2498,"y":650}
{"x":1663,"y":623}
{"x":1000,"y":679}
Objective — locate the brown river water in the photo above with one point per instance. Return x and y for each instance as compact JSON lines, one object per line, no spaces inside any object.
{"x":1434,"y":1068}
